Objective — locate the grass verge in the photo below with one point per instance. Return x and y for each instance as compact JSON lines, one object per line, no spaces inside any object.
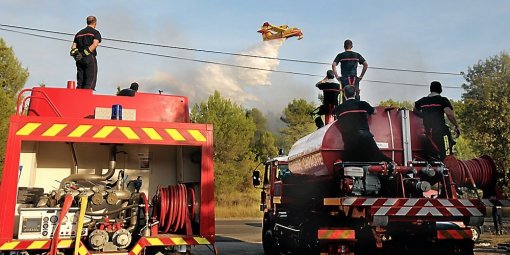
{"x":238,"y":205}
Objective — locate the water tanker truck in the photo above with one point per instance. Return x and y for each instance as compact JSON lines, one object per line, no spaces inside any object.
{"x":314,"y":202}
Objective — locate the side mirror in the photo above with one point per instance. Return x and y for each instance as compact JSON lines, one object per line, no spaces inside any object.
{"x":255,"y":178}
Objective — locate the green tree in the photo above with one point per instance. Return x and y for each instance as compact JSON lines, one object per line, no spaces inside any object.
{"x":399,"y":104}
{"x":486,"y":115}
{"x":264,"y":142}
{"x":233,"y":133}
{"x":463,"y":147}
{"x":298,"y":120}
{"x":12,"y":79}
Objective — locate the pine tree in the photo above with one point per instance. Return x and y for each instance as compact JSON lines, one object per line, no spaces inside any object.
{"x":299,"y":122}
{"x":12,"y":79}
{"x":264,"y":142}
{"x":486,"y":116}
{"x":233,"y":134}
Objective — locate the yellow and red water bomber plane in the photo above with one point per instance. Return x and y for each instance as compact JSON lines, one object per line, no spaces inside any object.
{"x":270,"y":32}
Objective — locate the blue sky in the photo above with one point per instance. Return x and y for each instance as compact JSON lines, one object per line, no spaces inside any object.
{"x":445,"y":36}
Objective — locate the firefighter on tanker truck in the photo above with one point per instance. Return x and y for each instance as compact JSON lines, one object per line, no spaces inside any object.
{"x":349,"y":61}
{"x":331,"y":91}
{"x":399,"y":185}
{"x":432,"y":108}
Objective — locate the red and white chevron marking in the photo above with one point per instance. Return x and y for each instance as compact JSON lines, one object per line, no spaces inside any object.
{"x":417,"y":206}
{"x":355,"y":201}
{"x":426,"y":211}
{"x":458,"y":234}
{"x":496,"y":202}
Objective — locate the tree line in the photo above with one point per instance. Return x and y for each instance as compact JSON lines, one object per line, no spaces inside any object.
{"x":12,"y":79}
{"x":242,"y":139}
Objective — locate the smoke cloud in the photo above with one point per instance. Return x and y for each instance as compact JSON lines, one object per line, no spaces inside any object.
{"x":231,"y":82}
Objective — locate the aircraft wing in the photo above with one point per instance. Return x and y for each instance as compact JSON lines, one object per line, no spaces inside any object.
{"x":277,"y":29}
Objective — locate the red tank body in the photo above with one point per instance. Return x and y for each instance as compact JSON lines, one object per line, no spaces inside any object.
{"x":315,"y":154}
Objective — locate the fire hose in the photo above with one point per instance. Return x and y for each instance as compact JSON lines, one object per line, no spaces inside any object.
{"x":146,"y":203}
{"x":175,"y":208}
{"x":81,"y":217}
{"x":68,"y":201}
{"x":476,"y":172}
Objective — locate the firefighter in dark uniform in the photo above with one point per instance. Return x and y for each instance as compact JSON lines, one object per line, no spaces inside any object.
{"x":330,"y":89}
{"x":433,"y":108}
{"x":359,"y":143}
{"x":129,"y":92}
{"x":84,"y":52}
{"x":349,"y":61}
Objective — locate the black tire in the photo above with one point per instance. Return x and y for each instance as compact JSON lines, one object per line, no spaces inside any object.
{"x":269,"y":243}
{"x":476,"y":231}
{"x":458,"y":247}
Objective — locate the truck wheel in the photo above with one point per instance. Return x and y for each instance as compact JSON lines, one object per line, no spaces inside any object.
{"x":475,"y":231}
{"x":269,"y":243}
{"x":458,"y":247}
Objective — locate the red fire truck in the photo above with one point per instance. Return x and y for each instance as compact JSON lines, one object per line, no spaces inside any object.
{"x":316,"y":203}
{"x":92,"y":174}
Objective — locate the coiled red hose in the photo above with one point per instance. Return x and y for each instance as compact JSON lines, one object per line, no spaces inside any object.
{"x":175,"y":208}
{"x":482,"y":171}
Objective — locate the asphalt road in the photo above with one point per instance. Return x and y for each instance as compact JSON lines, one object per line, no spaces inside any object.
{"x":249,"y":231}
{"x":236,"y":237}
{"x":244,"y":237}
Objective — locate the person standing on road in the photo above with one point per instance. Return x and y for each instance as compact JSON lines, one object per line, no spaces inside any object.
{"x":497,"y":219}
{"x":433,"y":108}
{"x":349,"y":61}
{"x":83,"y":50}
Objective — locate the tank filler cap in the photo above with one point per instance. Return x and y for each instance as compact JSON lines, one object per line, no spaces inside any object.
{"x":122,"y":238}
{"x":98,"y":239}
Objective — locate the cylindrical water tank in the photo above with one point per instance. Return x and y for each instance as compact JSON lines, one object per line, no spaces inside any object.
{"x":316,"y":153}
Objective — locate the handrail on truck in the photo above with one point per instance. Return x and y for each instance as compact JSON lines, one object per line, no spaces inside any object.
{"x":45,"y":98}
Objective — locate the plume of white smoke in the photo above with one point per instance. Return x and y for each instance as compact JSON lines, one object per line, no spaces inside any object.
{"x":268,"y":49}
{"x":231,"y":82}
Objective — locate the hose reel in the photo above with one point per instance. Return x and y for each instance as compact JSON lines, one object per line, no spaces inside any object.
{"x":174,"y":207}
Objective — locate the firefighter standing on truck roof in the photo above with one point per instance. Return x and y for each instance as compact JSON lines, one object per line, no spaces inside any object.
{"x":129,"y":92}
{"x":331,"y":90}
{"x":359,"y":143}
{"x":83,"y":50}
{"x":348,"y":61}
{"x":433,"y":108}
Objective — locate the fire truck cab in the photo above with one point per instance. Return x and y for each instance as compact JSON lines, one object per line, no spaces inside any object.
{"x":274,"y":169}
